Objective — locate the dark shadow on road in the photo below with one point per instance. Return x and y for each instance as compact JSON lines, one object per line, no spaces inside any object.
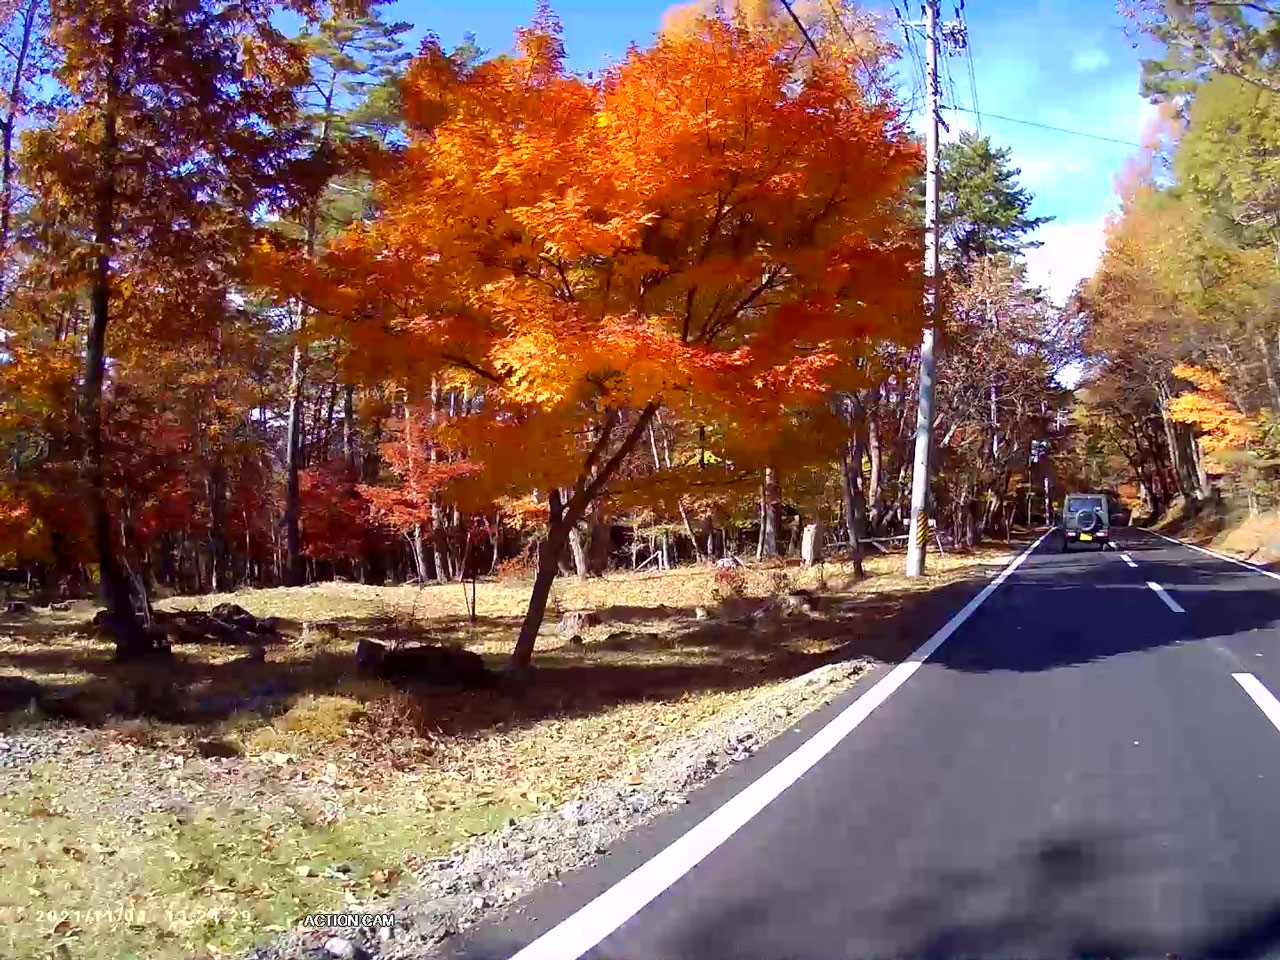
{"x":1068,"y":610}
{"x":1048,"y":899}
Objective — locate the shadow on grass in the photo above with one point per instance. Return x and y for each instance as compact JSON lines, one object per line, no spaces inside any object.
{"x":203,"y":685}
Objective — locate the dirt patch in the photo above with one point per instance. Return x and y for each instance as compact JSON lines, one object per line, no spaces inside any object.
{"x":214,"y":800}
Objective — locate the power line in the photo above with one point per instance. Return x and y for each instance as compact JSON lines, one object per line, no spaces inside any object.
{"x":968,"y":56}
{"x":951,"y":80}
{"x":1045,"y":126}
{"x":973,"y":84}
{"x":916,"y":70}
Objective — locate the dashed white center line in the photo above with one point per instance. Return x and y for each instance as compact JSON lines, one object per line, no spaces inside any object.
{"x":1128,"y":559}
{"x":1260,"y":695}
{"x":1163,"y":594}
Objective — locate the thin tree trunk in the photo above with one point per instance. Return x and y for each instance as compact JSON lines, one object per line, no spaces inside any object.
{"x":558,"y":527}
{"x":684,"y":513}
{"x":854,"y":507}
{"x":1197,"y":458}
{"x":761,"y":525}
{"x":439,"y":549}
{"x":293,"y":453}
{"x":496,"y":540}
{"x":1268,"y":365}
{"x":331,"y":409}
{"x":548,"y":554}
{"x":293,"y":440}
{"x":599,"y":541}
{"x":1184,"y":466}
{"x":216,"y":498}
{"x":419,"y":554}
{"x":10,"y":121}
{"x":437,"y":504}
{"x":349,"y":428}
{"x":770,"y":515}
{"x":874,"y":455}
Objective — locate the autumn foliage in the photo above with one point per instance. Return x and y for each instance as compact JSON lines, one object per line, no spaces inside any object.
{"x":285,"y":310}
{"x":698,"y":229}
{"x":1182,"y":309}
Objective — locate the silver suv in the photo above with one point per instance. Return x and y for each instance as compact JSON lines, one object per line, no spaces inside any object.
{"x":1086,"y":518}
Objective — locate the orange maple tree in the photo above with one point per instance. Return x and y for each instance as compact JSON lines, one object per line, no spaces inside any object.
{"x":704,"y":227}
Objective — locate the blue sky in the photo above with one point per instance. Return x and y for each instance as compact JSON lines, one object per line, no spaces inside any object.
{"x":1066,"y":63}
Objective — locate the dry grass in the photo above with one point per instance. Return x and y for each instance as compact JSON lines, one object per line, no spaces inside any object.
{"x":1232,"y":530}
{"x":1252,"y":538}
{"x":207,"y":882}
{"x":358,"y":609}
{"x":341,"y":777}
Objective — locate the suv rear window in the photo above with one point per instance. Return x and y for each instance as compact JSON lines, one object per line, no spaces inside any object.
{"x":1076,"y":504}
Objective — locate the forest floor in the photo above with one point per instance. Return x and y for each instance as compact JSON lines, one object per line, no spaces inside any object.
{"x":135,"y":830}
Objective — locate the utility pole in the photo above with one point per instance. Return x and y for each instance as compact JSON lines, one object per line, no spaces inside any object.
{"x":919,"y":541}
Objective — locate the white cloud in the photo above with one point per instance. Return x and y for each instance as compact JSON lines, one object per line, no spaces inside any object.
{"x":1039,"y":171}
{"x":1068,"y":254}
{"x":1086,"y":61}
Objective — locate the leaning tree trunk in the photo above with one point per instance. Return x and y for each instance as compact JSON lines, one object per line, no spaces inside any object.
{"x":561,"y":518}
{"x":548,"y":566}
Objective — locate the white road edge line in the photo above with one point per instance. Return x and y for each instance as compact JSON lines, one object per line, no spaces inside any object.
{"x":1128,"y":559}
{"x":1163,"y":594}
{"x":1221,"y":556}
{"x":1260,"y":695}
{"x":581,"y":931}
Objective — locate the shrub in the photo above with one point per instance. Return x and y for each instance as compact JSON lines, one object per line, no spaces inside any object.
{"x":780,"y":583}
{"x":322,"y":719}
{"x":728,"y":582}
{"x":519,"y":567}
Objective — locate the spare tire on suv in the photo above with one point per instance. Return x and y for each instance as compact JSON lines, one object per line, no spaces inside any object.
{"x":1085,"y":519}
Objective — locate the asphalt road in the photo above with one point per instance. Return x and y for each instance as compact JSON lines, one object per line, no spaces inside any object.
{"x":1076,"y":771}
